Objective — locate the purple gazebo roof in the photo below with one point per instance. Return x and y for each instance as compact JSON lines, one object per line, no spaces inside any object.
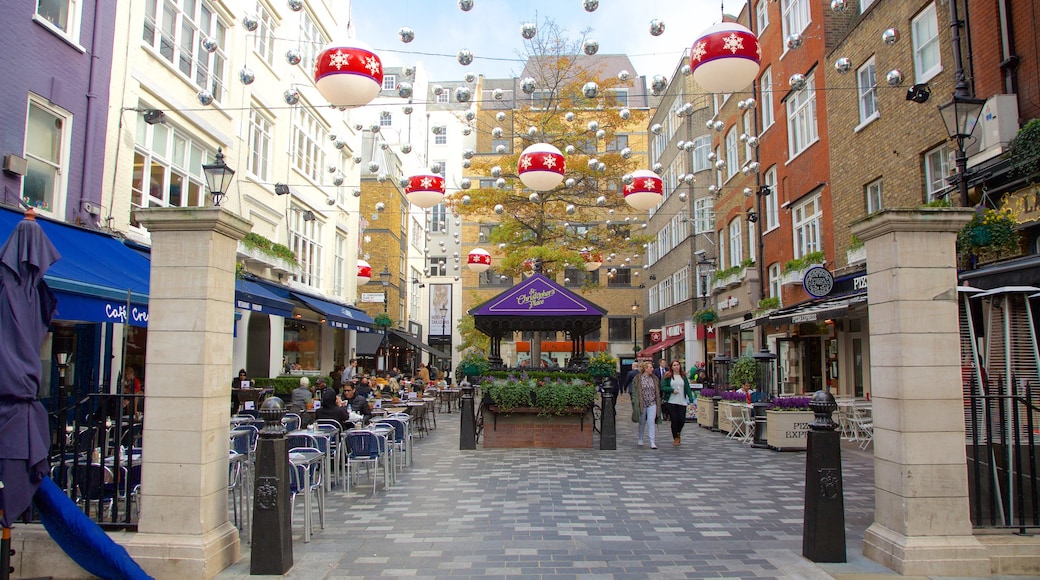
{"x":537,"y":296}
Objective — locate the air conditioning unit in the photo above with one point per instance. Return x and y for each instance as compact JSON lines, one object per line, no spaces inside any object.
{"x":998,"y":125}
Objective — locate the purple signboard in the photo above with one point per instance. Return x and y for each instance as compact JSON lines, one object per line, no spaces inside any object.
{"x":537,"y":296}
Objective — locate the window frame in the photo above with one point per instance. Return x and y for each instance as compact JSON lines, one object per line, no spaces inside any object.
{"x":761,"y":16}
{"x":732,"y":153}
{"x":186,"y":167}
{"x":796,"y":15}
{"x":735,"y":237}
{"x":802,"y":122}
{"x":58,"y":170}
{"x":309,"y":136}
{"x":874,"y":196}
{"x":807,"y":228}
{"x":264,"y":36}
{"x":704,"y":215}
{"x":930,"y":44}
{"x":942,"y":154}
{"x":389,"y":82}
{"x":386,"y":119}
{"x":867,"y":97}
{"x":212,"y":73}
{"x":73,"y":19}
{"x":305,"y":237}
{"x":771,"y":202}
{"x":261,"y":132}
{"x":765,"y":83}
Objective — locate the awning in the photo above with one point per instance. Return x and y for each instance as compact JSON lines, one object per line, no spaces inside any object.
{"x":95,"y":276}
{"x":419,"y":344}
{"x":646,"y":352}
{"x":817,"y":311}
{"x":336,"y":315}
{"x":253,"y":297}
{"x":368,"y":343}
{"x":1008,"y":290}
{"x":753,"y":322}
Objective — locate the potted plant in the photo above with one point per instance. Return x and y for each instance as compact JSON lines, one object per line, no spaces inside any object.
{"x":856,"y":252}
{"x":474,"y":363}
{"x":744,"y":370}
{"x":602,"y":364}
{"x":767,"y":304}
{"x":383,"y":320}
{"x":526,"y":412}
{"x":788,"y":419}
{"x":706,"y":316}
{"x":706,"y":408}
{"x":1025,"y":151}
{"x":990,"y":233}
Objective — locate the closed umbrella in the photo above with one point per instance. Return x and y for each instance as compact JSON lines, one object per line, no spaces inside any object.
{"x":26,"y":307}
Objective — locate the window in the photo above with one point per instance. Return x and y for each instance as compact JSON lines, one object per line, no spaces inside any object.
{"x":619,"y":329}
{"x":618,"y":143}
{"x":801,"y":118}
{"x":864,"y":4}
{"x":64,"y":15}
{"x":167,"y":169}
{"x":873,"y":193}
{"x":775,"y":280}
{"x":385,"y":119}
{"x":936,"y":168}
{"x":575,"y":277}
{"x":771,"y":202}
{"x":866,"y":81}
{"x":438,"y":266}
{"x":806,"y":218}
{"x":491,"y":277}
{"x":796,"y":16}
{"x":439,"y":218}
{"x":47,"y":132}
{"x":417,"y":235}
{"x":736,"y":241}
{"x":665,"y":298}
{"x":309,"y":136}
{"x":440,"y":135}
{"x":339,"y":264}
{"x":312,"y":41}
{"x":653,"y":306}
{"x":619,"y":277}
{"x":704,"y":215}
{"x":259,"y":144}
{"x":749,"y":130}
{"x":664,"y":240}
{"x":761,"y":16}
{"x":445,"y":96}
{"x":389,"y":82}
{"x":681,"y":284}
{"x":621,"y":95}
{"x":305,"y":242}
{"x":766,"y":106}
{"x":925,"y":33}
{"x":752,"y":231}
{"x":679,"y":230}
{"x":264,"y":34}
{"x":176,"y":33}
{"x":732,"y":155}
{"x":701,"y":150}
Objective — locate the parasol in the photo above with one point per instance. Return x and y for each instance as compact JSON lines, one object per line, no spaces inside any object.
{"x":26,"y":306}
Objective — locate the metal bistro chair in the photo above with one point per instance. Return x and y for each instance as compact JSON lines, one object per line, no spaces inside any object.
{"x":367,"y":448}
{"x":94,"y":483}
{"x":331,"y":429}
{"x":236,"y":489}
{"x":292,"y":421}
{"x":297,"y":478}
{"x":129,"y":490}
{"x":401,"y":439}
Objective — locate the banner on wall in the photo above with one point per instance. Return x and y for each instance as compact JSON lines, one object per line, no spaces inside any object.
{"x":440,"y":310}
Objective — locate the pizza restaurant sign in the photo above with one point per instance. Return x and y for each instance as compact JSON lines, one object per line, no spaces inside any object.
{"x":669,"y":332}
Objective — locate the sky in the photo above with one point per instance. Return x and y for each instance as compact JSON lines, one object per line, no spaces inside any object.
{"x":491,"y":31}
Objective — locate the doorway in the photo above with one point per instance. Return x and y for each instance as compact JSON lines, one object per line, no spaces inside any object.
{"x":801,"y":365}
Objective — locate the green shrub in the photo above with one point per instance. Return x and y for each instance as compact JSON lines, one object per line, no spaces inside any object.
{"x":745,"y":369}
{"x":551,"y":397}
{"x":283,"y":386}
{"x":805,"y":261}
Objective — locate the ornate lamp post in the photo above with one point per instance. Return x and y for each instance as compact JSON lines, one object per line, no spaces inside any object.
{"x":384,"y":277}
{"x":635,"y":343}
{"x":218,"y":177}
{"x":764,"y":385}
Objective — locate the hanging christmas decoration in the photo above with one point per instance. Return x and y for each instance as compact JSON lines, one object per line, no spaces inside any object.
{"x":348,"y":74}
{"x":463,"y":94}
{"x":725,"y":58}
{"x":528,"y":30}
{"x":590,"y":5}
{"x":541,"y":167}
{"x":364,"y":272}
{"x":623,"y":75}
{"x":656,"y":27}
{"x":406,"y":34}
{"x":466,"y":5}
{"x":590,"y":90}
{"x":645,"y":191}
{"x":843,"y":65}
{"x":592,"y":259}
{"x":590,"y":47}
{"x":425,"y":190}
{"x":527,"y":85}
{"x":205,"y":97}
{"x":291,"y":96}
{"x":464,"y":57}
{"x":293,"y":56}
{"x":250,"y":22}
{"x":479,"y":260}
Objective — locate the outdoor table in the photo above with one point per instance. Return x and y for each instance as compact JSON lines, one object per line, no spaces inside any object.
{"x":250,"y":395}
{"x":305,"y":459}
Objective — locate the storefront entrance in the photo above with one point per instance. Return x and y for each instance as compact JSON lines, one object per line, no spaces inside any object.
{"x":801,"y":365}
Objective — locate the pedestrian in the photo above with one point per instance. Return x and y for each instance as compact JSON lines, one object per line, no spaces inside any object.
{"x":647,"y":389}
{"x":661,"y":370}
{"x":626,"y":383}
{"x":676,"y":389}
{"x":349,"y":373}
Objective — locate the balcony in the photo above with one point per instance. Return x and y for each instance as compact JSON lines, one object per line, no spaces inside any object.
{"x":856,"y":256}
{"x":255,"y":257}
{"x":730,"y":278}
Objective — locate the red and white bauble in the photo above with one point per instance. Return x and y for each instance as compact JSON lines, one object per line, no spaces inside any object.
{"x":725,"y":58}
{"x":348,"y":74}
{"x":592,"y":261}
{"x":479,"y":260}
{"x":645,"y":191}
{"x":541,"y":167}
{"x":425,"y":190}
{"x":364,"y":272}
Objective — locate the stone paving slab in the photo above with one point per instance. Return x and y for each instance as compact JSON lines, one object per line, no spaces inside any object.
{"x":710,"y":508}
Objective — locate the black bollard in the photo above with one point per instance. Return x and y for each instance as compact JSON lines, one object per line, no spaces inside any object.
{"x":608,"y":422}
{"x":468,"y":430}
{"x":271,"y":553}
{"x":823,"y":535}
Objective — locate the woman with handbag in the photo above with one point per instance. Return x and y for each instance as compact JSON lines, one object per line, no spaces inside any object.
{"x":647,"y":389}
{"x":676,"y":391}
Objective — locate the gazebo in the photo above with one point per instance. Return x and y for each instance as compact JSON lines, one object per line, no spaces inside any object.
{"x":537,"y":304}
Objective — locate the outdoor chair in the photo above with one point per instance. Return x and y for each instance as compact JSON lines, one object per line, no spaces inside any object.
{"x":94,"y":484}
{"x":401,"y":439}
{"x":367,"y":448}
{"x":297,"y":479}
{"x":236,"y":490}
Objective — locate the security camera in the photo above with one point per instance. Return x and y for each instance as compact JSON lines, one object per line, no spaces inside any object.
{"x":699,"y":253}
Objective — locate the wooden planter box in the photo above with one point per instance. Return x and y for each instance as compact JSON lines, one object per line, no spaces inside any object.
{"x":705,"y":412}
{"x":523,"y":427}
{"x":786,"y":430}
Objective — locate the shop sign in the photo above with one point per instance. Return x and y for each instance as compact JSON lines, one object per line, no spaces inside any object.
{"x":655,"y":336}
{"x":675,"y":330}
{"x":728,"y":302}
{"x":818,"y":281}
{"x":118,"y":313}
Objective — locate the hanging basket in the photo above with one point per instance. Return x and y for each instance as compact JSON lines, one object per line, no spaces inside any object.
{"x":981,"y":236}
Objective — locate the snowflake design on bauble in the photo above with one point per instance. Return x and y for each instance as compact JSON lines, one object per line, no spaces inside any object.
{"x":650,"y":184}
{"x":549,"y":161}
{"x":698,"y":51}
{"x":525,"y":162}
{"x":425,"y":183}
{"x":733,"y":43}
{"x":339,"y":59}
{"x":372,"y":65}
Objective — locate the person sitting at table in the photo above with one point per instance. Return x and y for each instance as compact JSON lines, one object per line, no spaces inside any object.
{"x":333,"y":407}
{"x":301,"y":396}
{"x":364,"y":388}
{"x":241,"y":381}
{"x":356,"y":402}
{"x":424,"y":373}
{"x":745,"y":390}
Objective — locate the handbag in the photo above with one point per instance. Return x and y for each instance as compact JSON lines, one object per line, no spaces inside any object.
{"x":635,"y":411}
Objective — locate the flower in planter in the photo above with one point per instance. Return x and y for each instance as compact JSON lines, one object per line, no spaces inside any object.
{"x":989,"y":229}
{"x":708,"y":393}
{"x":383,"y":320}
{"x":790,"y":404}
{"x":602,"y":364}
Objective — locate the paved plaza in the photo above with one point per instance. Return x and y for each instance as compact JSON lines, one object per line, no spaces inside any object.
{"x":710,"y":508}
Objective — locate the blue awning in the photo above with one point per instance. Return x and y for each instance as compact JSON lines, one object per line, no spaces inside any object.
{"x":337,"y":315}
{"x":96,"y":276}
{"x":254,"y":297}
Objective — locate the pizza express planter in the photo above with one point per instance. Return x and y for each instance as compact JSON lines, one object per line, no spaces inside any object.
{"x":527,"y":427}
{"x":705,"y":412}
{"x":787,"y":430}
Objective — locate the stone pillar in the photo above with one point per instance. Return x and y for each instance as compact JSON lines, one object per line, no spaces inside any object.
{"x":184,"y":530}
{"x":921,"y":515}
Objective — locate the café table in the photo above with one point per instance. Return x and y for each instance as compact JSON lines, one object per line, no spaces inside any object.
{"x":253,"y":396}
{"x":306,"y":459}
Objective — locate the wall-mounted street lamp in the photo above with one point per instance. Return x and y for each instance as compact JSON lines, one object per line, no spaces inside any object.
{"x":218,"y":177}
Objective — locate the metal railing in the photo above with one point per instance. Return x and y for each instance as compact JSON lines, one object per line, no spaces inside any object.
{"x":95,"y":456}
{"x":1002,"y":427}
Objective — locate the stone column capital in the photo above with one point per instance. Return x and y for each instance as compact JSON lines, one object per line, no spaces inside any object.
{"x":926,"y":219}
{"x":194,"y":219}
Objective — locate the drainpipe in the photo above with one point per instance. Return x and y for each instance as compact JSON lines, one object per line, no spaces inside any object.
{"x":90,"y":152}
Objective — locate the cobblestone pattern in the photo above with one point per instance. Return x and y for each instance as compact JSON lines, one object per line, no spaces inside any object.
{"x":710,"y":508}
